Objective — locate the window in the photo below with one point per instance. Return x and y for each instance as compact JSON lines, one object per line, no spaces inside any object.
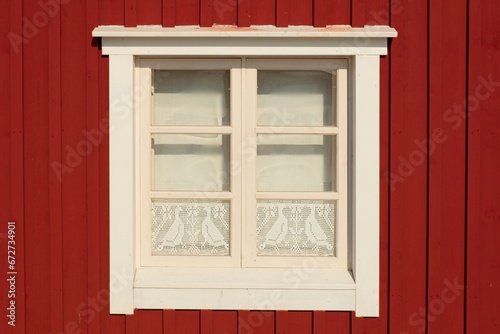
{"x":244,"y":171}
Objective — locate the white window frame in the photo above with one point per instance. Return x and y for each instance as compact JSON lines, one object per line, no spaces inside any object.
{"x":355,"y":289}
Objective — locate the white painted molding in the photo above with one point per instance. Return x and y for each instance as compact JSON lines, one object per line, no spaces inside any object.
{"x":121,"y":183}
{"x":252,"y":41}
{"x":366,"y":184}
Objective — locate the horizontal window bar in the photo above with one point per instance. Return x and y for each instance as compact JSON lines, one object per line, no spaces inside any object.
{"x":192,"y":129}
{"x":320,"y":130}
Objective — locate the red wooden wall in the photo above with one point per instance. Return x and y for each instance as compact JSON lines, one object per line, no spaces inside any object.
{"x":440,"y":193}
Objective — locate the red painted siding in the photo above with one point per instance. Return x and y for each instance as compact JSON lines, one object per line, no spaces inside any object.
{"x":440,"y":197}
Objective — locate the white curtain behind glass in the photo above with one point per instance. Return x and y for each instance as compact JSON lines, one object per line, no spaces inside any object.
{"x":191,"y":97}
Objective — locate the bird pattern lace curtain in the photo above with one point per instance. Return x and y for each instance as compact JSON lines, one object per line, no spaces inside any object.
{"x":295,"y":228}
{"x":193,"y":227}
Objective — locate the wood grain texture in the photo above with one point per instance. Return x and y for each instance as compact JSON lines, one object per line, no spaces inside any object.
{"x":483,"y":198}
{"x":447,"y":156}
{"x":439,"y":217}
{"x":36,"y":170}
{"x":408,"y":197}
{"x":55,"y":178}
{"x":76,"y":148}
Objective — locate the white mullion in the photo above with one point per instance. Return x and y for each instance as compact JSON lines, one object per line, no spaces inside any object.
{"x":249,"y":153}
{"x":235,"y":165}
{"x":190,"y":130}
{"x":297,"y":195}
{"x":305,"y":130}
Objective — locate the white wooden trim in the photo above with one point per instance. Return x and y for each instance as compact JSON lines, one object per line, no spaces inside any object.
{"x":340,"y":165}
{"x":309,"y":277}
{"x":254,"y":31}
{"x":361,"y":46}
{"x":255,"y":41}
{"x":121,"y":182}
{"x":366,"y":184}
{"x":244,"y":299}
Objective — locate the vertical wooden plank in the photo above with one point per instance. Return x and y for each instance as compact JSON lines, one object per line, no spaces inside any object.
{"x":75,"y":150}
{"x":36,"y":172}
{"x":224,"y":12}
{"x":256,"y":322}
{"x":282,"y":322}
{"x":5,"y":151}
{"x":149,"y":12}
{"x":97,"y":295}
{"x":56,"y":175}
{"x":408,"y":183}
{"x":187,"y":322}
{"x":17,"y":146}
{"x":111,"y":12}
{"x":11,"y":166}
{"x":339,"y":322}
{"x":293,"y":322}
{"x":446,"y":145}
{"x":301,"y":13}
{"x":282,"y":13}
{"x":338,"y":12}
{"x":300,"y":322}
{"x":206,"y":322}
{"x":319,"y":322}
{"x":168,"y":322}
{"x":244,"y":13}
{"x":320,"y":13}
{"x":168,"y":9}
{"x":187,"y":12}
{"x":130,"y":13}
{"x":264,"y":12}
{"x":218,"y":322}
{"x":483,"y":198}
{"x":145,"y":321}
{"x":206,"y":12}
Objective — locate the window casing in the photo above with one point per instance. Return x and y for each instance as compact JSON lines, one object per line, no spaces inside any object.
{"x":243,"y":280}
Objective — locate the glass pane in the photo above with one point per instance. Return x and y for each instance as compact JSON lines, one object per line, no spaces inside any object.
{"x":295,"y":98}
{"x":191,"y":97}
{"x":190,"y":227}
{"x":191,"y":162}
{"x":295,"y":228}
{"x":295,"y":163}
